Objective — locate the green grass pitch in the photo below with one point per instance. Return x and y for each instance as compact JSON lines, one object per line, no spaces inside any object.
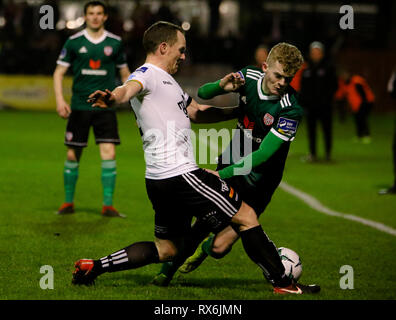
{"x":32,"y":235}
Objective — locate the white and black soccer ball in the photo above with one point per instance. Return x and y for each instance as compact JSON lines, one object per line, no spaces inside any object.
{"x":292,"y":263}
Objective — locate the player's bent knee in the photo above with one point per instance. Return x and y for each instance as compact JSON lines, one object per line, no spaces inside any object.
{"x":73,"y":154}
{"x":219,"y":252}
{"x":166,"y":250}
{"x":107,"y":151}
{"x":245,"y":218}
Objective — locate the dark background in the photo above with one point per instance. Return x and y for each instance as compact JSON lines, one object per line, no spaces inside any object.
{"x":369,"y":49}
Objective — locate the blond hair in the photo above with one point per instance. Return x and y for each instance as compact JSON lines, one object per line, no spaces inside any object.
{"x":288,"y":56}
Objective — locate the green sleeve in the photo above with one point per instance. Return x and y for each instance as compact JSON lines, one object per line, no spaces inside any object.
{"x":66,"y":56}
{"x":210,"y":90}
{"x":121,"y":59}
{"x":268,"y":147}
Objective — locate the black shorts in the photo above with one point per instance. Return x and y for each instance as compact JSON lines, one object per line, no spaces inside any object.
{"x":257,"y":196}
{"x":197,"y":194}
{"x":104,"y":125}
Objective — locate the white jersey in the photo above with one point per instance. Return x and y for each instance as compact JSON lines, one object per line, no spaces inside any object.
{"x":161,"y":114}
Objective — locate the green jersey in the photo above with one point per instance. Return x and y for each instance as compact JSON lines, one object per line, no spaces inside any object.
{"x":260,"y":114}
{"x":93,"y":62}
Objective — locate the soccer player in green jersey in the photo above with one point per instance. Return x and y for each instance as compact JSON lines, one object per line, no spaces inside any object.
{"x":268,"y":115}
{"x":94,"y":55}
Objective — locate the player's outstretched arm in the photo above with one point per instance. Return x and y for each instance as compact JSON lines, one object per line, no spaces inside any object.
{"x":268,"y":147}
{"x":121,"y":94}
{"x":200,"y":113}
{"x":229,"y":83}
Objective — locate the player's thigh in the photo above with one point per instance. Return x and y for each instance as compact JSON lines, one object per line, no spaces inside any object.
{"x":211,"y":199}
{"x":74,"y":153}
{"x":172,"y":218}
{"x":105,"y":127}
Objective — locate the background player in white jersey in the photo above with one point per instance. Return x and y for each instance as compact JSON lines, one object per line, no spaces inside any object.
{"x":94,"y":54}
{"x":177,"y":189}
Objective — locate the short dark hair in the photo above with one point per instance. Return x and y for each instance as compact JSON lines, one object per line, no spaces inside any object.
{"x":161,"y":31}
{"x":95,"y":4}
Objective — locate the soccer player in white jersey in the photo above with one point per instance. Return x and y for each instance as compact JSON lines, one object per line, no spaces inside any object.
{"x":177,"y":188}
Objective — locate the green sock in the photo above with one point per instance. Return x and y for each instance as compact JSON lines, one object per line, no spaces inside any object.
{"x":207,"y":245}
{"x":108,"y":181}
{"x":70,"y":176}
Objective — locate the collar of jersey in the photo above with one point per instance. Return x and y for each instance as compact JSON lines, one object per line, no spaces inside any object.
{"x":261,"y":94}
{"x":95,"y":41}
{"x":159,"y":69}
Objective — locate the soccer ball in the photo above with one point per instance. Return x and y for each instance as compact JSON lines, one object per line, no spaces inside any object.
{"x":292,"y":263}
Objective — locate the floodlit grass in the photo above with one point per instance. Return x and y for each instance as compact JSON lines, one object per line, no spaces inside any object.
{"x":32,"y":235}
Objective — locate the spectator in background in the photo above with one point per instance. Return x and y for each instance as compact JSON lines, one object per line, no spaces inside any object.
{"x":260,"y":55}
{"x":317,"y":82}
{"x":392,"y":90}
{"x":355,"y":90}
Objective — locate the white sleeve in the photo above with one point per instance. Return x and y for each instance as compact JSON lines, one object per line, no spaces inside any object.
{"x":143,"y":75}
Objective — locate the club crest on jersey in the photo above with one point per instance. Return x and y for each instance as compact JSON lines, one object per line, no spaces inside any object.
{"x":268,"y":119}
{"x":287,"y":126}
{"x":69,"y":136}
{"x":108,"y":50}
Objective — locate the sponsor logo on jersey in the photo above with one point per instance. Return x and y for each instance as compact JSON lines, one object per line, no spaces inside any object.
{"x":287,"y":126}
{"x":83,"y":50}
{"x":167,"y":82}
{"x":108,"y":50}
{"x":248,"y":124}
{"x":91,"y":72}
{"x":62,"y":53}
{"x":248,"y":133}
{"x":268,"y":119}
{"x":183,"y":106}
{"x":94,"y":64}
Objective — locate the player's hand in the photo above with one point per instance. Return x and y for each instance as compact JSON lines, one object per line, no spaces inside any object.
{"x":232,"y":81}
{"x":63,"y":109}
{"x":213,"y":172}
{"x":101,"y":99}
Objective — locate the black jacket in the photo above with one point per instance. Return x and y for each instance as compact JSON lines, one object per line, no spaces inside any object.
{"x":318,"y":85}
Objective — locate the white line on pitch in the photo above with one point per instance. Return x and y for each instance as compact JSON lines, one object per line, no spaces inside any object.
{"x":318,"y":206}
